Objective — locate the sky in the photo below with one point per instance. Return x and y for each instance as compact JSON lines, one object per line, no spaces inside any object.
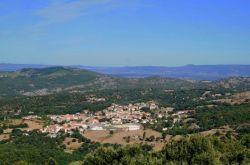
{"x":125,"y":32}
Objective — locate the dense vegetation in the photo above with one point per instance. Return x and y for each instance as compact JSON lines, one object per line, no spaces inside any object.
{"x":34,"y":148}
{"x":67,"y":102}
{"x":62,"y":78}
{"x":222,"y":115}
{"x":27,"y":80}
{"x":62,"y":90}
{"x":189,"y":150}
{"x":60,"y":103}
{"x":37,"y":148}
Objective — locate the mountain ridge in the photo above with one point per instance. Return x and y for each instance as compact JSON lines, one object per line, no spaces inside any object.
{"x":195,"y":72}
{"x":53,"y":79}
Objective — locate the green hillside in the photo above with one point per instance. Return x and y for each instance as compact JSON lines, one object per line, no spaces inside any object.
{"x":28,"y":80}
{"x":40,"y":82}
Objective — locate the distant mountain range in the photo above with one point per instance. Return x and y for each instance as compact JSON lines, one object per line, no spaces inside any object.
{"x":196,"y":72}
{"x":49,"y":80}
{"x":15,"y":67}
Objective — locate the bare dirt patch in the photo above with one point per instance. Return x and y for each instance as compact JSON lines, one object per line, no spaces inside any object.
{"x":118,"y":137}
{"x":241,"y":97}
{"x":32,"y":125}
{"x":70,"y":145}
{"x":221,"y":131}
{"x":4,"y":137}
{"x":7,"y":131}
{"x":238,"y":98}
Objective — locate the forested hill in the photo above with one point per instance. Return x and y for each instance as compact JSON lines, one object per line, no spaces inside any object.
{"x":44,"y":81}
{"x":197,"y":72}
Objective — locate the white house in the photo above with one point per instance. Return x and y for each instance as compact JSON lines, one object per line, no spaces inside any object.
{"x":96,"y":127}
{"x":133,"y":127}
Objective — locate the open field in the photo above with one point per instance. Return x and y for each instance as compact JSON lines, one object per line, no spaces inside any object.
{"x":118,"y":137}
{"x":238,"y":98}
{"x":241,"y":97}
{"x":4,"y":137}
{"x":7,"y":131}
{"x":70,"y":145}
{"x":32,"y":125}
{"x":222,"y":131}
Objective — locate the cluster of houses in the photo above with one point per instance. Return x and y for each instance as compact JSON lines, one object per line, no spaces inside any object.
{"x":31,"y":117}
{"x":89,"y":123}
{"x":93,"y":98}
{"x":132,"y":113}
{"x":116,"y":118}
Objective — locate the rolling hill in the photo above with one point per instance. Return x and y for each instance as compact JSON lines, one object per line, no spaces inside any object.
{"x":197,"y":72}
{"x":43,"y":81}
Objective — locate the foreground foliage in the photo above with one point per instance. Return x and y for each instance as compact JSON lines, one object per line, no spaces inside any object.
{"x":189,"y":150}
{"x":186,"y":151}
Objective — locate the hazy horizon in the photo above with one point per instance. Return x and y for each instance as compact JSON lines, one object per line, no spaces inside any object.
{"x":72,"y":65}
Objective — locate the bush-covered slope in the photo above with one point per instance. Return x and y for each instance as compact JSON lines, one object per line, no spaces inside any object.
{"x":27,"y":80}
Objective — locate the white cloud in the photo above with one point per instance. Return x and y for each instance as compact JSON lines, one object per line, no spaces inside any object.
{"x":61,"y":11}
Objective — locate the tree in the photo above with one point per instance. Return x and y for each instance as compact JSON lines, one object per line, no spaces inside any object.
{"x":245,"y":141}
{"x":1,"y":130}
{"x":128,"y":139}
{"x":128,"y":155}
{"x":144,"y":135}
{"x":193,"y":150}
{"x":163,"y":135}
{"x":233,"y":152}
{"x":51,"y":161}
{"x":111,"y":132}
{"x":151,"y":138}
{"x":16,"y":133}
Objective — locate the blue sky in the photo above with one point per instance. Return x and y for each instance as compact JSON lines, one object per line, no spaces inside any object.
{"x":125,"y":32}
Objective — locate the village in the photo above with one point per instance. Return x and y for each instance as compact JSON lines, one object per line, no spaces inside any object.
{"x":132,"y":123}
{"x":115,"y":118}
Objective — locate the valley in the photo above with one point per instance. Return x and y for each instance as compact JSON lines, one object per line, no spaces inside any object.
{"x":80,"y":111}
